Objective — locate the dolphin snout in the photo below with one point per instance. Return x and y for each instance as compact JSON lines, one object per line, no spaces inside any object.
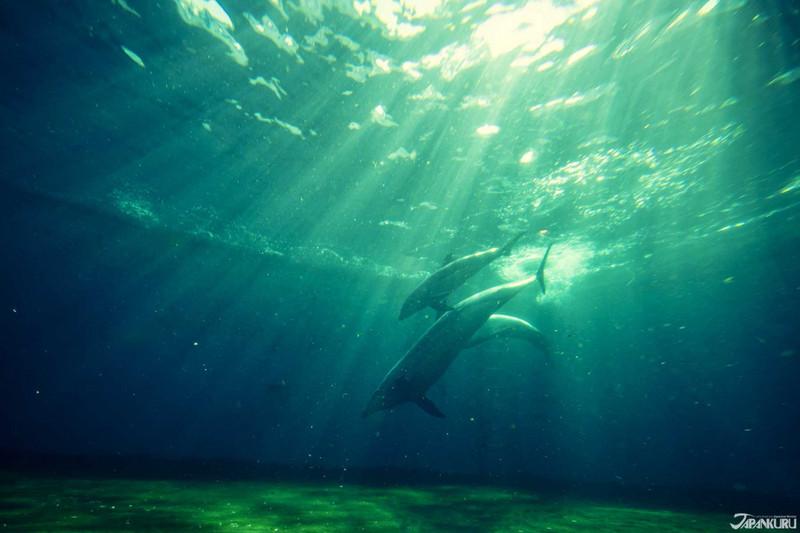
{"x":375,"y":404}
{"x":370,"y":410}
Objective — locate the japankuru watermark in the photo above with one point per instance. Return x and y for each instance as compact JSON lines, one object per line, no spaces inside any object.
{"x":749,"y":521}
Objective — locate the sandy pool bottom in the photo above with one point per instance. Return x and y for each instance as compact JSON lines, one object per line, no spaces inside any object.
{"x":81,"y":505}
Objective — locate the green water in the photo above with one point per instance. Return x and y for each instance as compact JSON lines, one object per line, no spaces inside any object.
{"x":214,"y":210}
{"x":48,"y":504}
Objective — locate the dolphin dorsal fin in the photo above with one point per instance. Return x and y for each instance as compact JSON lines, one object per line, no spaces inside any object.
{"x":506,"y":249}
{"x":448,"y":259}
{"x":429,"y":407}
{"x":540,"y":270}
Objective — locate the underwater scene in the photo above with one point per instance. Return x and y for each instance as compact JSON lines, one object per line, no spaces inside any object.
{"x":400,"y":265}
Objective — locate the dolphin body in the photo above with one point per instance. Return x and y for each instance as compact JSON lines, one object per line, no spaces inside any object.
{"x":437,"y":287}
{"x":509,"y":327}
{"x":426,"y":361}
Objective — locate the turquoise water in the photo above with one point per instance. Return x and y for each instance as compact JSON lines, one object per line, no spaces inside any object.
{"x":215,"y":209}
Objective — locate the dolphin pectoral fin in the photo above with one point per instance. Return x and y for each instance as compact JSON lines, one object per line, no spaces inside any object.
{"x":540,"y":271}
{"x":429,"y":407}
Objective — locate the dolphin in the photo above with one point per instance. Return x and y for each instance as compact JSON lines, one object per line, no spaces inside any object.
{"x":437,"y":287}
{"x":507,"y":327}
{"x":426,"y":361}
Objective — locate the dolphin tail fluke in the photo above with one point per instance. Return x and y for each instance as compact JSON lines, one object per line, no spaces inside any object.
{"x":429,"y":407}
{"x":505,"y":250}
{"x":540,"y":271}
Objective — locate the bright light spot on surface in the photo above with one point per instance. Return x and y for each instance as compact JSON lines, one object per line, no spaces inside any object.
{"x":791,"y":186}
{"x":629,"y":45}
{"x":421,"y":8}
{"x":527,"y":158}
{"x":529,"y":25}
{"x":402,"y":154}
{"x":429,"y":94}
{"x":410,"y":69}
{"x":390,"y":14}
{"x":732,"y":226}
{"x":451,"y":60}
{"x":274,"y":85}
{"x":124,"y":5}
{"x":268,"y":29}
{"x":488,"y":130}
{"x":472,"y":6}
{"x":567,"y":262}
{"x":522,"y":62}
{"x":677,"y":20}
{"x":380,"y":117}
{"x":474,"y":101}
{"x":133,"y":56}
{"x":707,"y":7}
{"x":395,"y":223}
{"x":785,"y":78}
{"x":553,"y":46}
{"x":555,"y":102}
{"x":383,"y":64}
{"x":209,"y":15}
{"x":278,"y":4}
{"x":205,"y":10}
{"x":574,"y":100}
{"x":547,"y":65}
{"x":294,"y":130}
{"x":362,"y":8}
{"x":581,"y":54}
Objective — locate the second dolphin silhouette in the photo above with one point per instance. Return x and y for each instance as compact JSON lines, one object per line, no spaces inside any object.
{"x":435,"y":289}
{"x":426,"y":361}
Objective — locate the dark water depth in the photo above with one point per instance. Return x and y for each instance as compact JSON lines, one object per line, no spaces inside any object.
{"x":214,"y":210}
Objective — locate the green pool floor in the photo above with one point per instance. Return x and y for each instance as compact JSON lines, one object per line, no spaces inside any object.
{"x":83,"y":505}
